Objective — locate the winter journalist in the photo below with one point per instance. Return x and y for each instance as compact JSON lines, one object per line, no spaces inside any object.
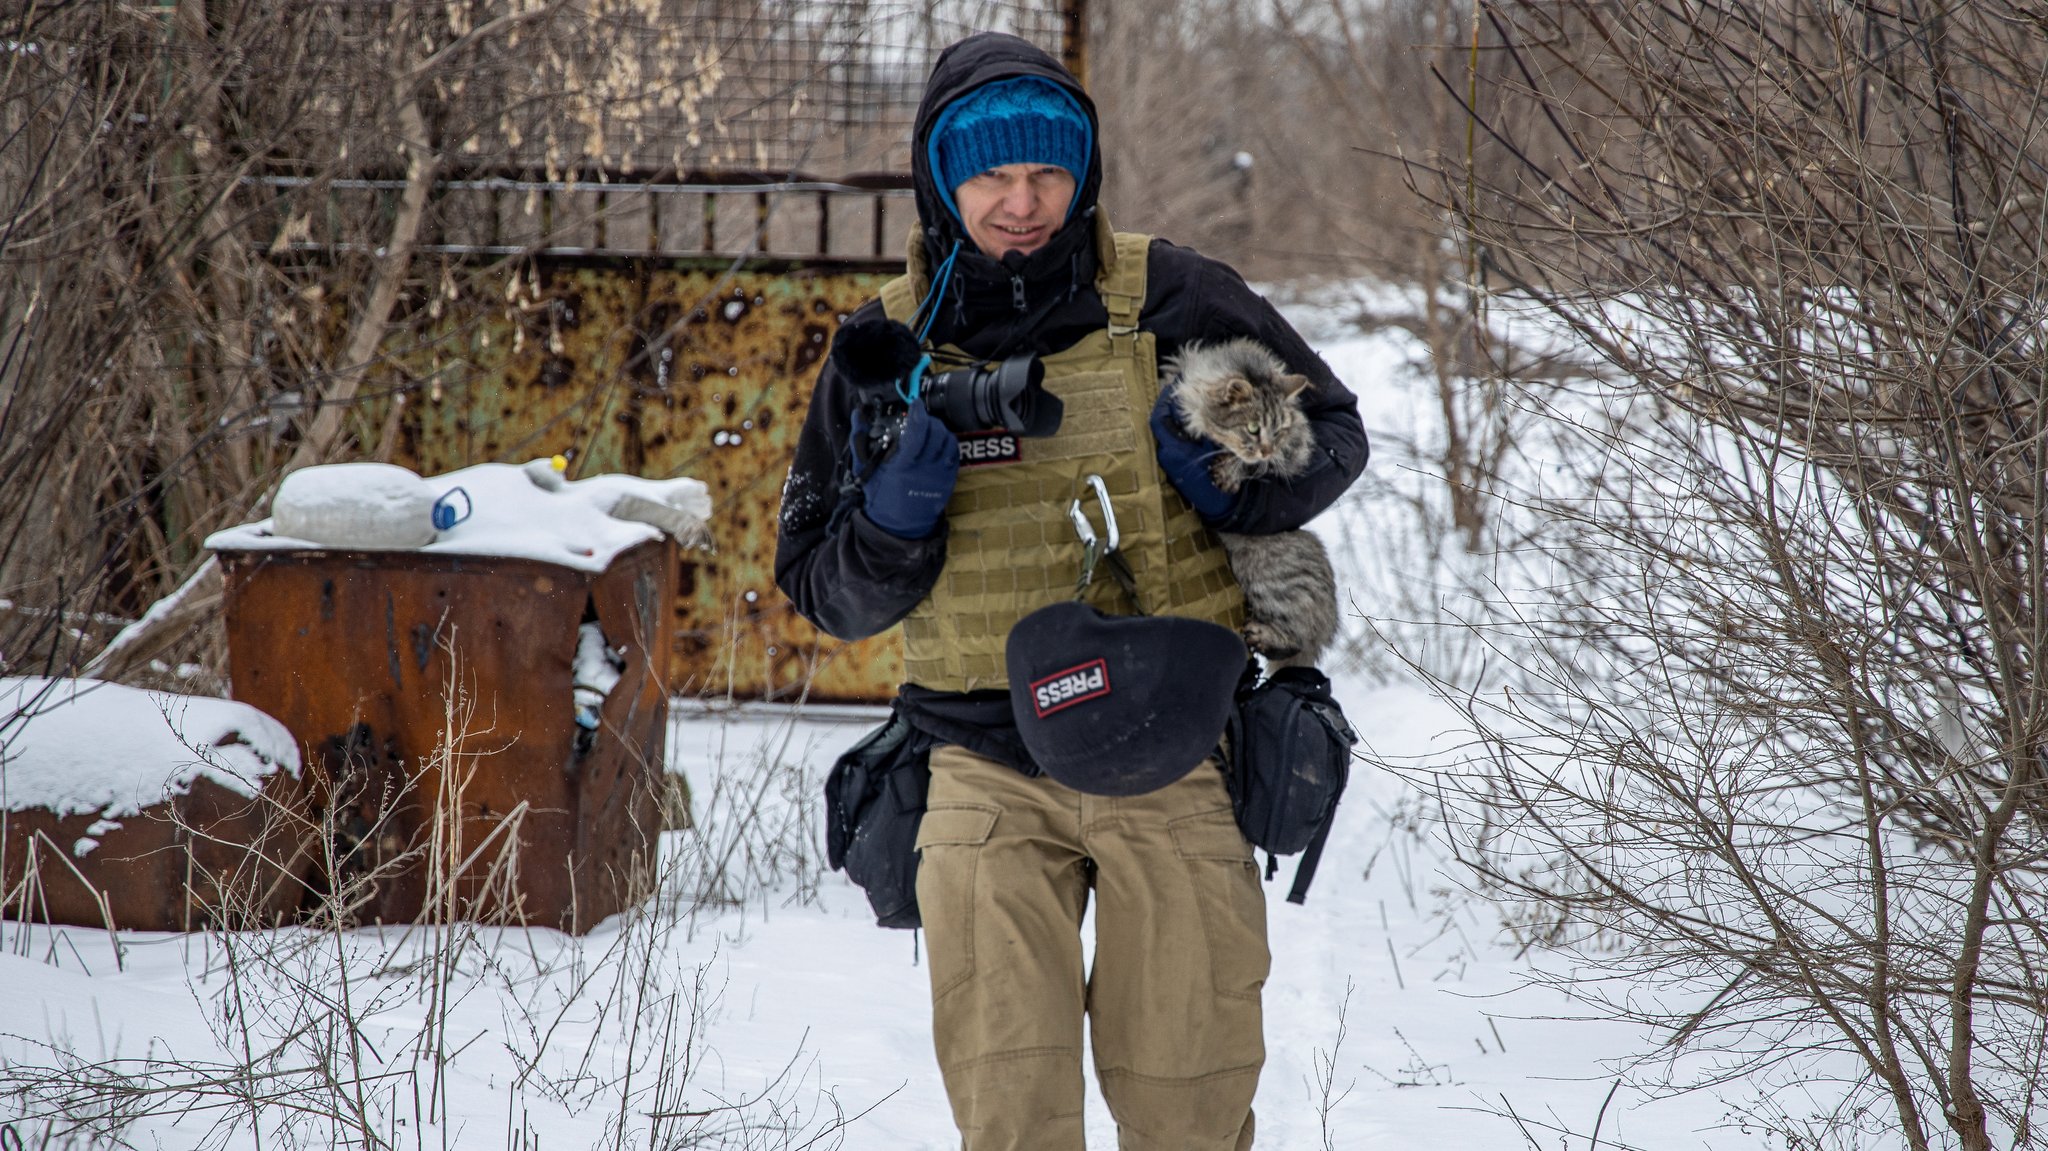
{"x":957,"y":534}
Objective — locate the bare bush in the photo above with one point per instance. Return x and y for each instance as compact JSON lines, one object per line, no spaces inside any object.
{"x":221,"y":225}
{"x":1256,"y":132}
{"x":1769,"y":736}
{"x":330,"y":1033}
{"x":1368,"y":78}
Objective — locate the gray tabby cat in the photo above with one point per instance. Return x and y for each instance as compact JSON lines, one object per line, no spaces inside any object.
{"x":1240,"y":395}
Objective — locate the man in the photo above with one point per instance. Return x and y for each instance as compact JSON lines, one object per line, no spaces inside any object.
{"x":1014,"y":257}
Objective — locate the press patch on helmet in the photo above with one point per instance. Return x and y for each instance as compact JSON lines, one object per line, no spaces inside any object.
{"x":1064,"y":689}
{"x":995,"y":446}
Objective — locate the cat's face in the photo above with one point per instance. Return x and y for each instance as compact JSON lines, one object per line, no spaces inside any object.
{"x":1257,"y":424}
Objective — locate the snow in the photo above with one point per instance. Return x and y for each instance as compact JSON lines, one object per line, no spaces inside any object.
{"x":1399,"y":1011}
{"x":515,"y":517}
{"x":598,"y":667}
{"x":78,"y":746}
{"x":596,"y":672}
{"x":1439,"y":1035}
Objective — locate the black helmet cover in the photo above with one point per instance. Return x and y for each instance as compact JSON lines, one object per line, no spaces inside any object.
{"x":1120,"y":705}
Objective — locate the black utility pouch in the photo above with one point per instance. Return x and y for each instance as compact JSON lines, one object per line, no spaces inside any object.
{"x":874,"y":799}
{"x":1290,"y":757}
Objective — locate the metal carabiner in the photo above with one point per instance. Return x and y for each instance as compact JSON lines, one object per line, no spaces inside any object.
{"x":1091,"y":547}
{"x":1094,"y":549}
{"x":1108,"y":513}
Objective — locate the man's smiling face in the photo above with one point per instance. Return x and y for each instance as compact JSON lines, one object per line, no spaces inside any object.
{"x":1015,"y":208}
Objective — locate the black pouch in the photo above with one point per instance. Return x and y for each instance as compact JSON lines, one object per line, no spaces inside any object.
{"x":1290,"y":756}
{"x":874,"y":799}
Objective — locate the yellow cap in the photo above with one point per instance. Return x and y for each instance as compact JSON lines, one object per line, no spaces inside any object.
{"x":559,"y":463}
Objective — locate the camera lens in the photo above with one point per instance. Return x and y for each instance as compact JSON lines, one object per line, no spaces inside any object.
{"x":1008,"y":395}
{"x":950,"y":396}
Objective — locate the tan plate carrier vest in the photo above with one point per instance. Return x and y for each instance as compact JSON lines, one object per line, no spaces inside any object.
{"x":1012,"y":548}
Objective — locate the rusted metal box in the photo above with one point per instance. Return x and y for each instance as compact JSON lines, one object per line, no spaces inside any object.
{"x":432,"y":698}
{"x":146,"y":810}
{"x":209,"y":856}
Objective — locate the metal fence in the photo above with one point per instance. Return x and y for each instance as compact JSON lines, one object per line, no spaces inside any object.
{"x":739,"y":128}
{"x":830,"y":86}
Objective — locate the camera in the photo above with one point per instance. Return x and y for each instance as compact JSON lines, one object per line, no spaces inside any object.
{"x":1008,"y":394}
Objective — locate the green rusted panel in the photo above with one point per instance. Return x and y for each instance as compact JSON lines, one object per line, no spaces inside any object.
{"x":660,"y":371}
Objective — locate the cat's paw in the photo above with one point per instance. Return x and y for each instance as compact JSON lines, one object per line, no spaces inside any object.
{"x":1268,"y":641}
{"x":1227,"y":474}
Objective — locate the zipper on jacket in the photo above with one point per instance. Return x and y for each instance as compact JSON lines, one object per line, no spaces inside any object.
{"x":1017,"y":293}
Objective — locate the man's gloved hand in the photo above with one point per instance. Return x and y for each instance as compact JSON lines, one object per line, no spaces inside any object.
{"x":907,"y":488}
{"x":1185,"y":460}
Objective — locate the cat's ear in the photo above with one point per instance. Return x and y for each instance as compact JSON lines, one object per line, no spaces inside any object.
{"x":1236,"y":390}
{"x":1294,"y":384}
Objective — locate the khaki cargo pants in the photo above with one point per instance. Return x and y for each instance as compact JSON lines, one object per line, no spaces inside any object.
{"x":1180,"y":957}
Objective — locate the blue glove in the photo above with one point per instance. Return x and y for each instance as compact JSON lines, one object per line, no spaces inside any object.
{"x":1185,"y":460}
{"x":908,"y":488}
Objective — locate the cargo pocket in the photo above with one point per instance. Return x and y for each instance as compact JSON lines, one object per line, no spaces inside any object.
{"x":949,"y":843}
{"x":1226,"y":881}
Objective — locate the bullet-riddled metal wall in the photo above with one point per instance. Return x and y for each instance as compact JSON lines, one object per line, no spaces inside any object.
{"x":669,"y":321}
{"x":663,"y":371}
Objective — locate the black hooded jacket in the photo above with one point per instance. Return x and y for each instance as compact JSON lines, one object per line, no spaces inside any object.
{"x":851,"y":578}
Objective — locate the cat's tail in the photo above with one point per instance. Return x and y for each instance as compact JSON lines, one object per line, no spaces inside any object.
{"x":1290,"y":595}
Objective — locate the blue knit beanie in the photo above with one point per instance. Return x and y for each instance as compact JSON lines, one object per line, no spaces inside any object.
{"x":1025,"y":120}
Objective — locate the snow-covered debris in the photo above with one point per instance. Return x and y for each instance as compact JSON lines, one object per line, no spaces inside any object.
{"x":583,"y":524}
{"x":597,"y":672}
{"x":79,"y":746}
{"x":356,"y":505}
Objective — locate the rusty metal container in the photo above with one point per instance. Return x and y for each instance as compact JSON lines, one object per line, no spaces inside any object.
{"x":207,"y":857}
{"x":431,"y":695}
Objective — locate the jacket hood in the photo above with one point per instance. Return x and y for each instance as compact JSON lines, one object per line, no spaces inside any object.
{"x":993,"y":308}
{"x":984,"y":58}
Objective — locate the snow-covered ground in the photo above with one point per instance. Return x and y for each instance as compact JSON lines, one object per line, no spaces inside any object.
{"x":1398,"y":991}
{"x":1398,"y":1012}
